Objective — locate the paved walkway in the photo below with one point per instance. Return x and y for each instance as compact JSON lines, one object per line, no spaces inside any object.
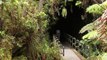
{"x":69,"y":54}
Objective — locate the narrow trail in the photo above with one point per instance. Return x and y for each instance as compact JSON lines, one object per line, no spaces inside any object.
{"x":69,"y":54}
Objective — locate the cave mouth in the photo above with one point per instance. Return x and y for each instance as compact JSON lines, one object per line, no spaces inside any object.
{"x":71,"y":24}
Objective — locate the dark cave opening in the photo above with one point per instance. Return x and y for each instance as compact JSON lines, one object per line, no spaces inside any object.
{"x":71,"y":24}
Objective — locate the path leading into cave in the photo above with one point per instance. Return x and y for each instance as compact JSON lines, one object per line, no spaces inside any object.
{"x":70,"y":54}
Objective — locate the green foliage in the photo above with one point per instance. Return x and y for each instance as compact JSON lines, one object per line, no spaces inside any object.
{"x":104,"y":4}
{"x":78,"y":3}
{"x":88,"y":27}
{"x":47,"y":49}
{"x":1,"y":2}
{"x":70,"y":0}
{"x":104,"y":56}
{"x":99,"y":57}
{"x":2,"y":34}
{"x":97,"y":8}
{"x":24,"y":28}
{"x":1,"y":52}
{"x":22,"y":57}
{"x":23,"y":25}
{"x":96,"y":35}
{"x":91,"y":35}
{"x":64,"y":12}
{"x":41,"y":15}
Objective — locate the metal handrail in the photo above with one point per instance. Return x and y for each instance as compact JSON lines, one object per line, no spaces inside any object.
{"x":80,"y":47}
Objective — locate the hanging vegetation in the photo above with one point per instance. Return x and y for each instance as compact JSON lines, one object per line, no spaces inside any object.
{"x":96,"y":36}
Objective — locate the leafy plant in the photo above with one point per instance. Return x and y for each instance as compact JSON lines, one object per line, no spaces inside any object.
{"x":48,"y":50}
{"x":96,"y":35}
{"x":22,"y":23}
{"x":22,"y":57}
{"x":64,"y":12}
{"x":97,"y":8}
{"x":99,"y":57}
{"x":78,"y":3}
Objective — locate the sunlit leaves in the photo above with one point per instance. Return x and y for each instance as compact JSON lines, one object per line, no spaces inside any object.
{"x":99,"y":57}
{"x":97,"y":35}
{"x":2,"y":33}
{"x":91,"y":35}
{"x":48,"y":49}
{"x":1,"y":52}
{"x":41,"y":15}
{"x":88,"y":27}
{"x":95,"y":9}
{"x":6,"y":47}
{"x":104,"y":56}
{"x":78,"y":3}
{"x":1,"y":2}
{"x":64,"y":12}
{"x":21,"y":19}
{"x":104,"y":4}
{"x":70,"y":0}
{"x":29,"y":24}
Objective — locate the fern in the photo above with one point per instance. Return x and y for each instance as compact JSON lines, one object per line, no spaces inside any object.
{"x":91,"y":35}
{"x":97,"y":8}
{"x":99,"y":57}
{"x":88,"y":27}
{"x":97,"y":32}
{"x":104,"y":4}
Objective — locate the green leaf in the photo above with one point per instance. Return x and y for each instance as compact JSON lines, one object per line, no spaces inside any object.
{"x":1,"y":52}
{"x":64,"y":12}
{"x":95,"y":9}
{"x":91,"y":35}
{"x":104,"y":4}
{"x":104,"y":56}
{"x":78,"y":3}
{"x":96,"y":42}
{"x":70,"y":0}
{"x":88,"y":27}
{"x":1,"y":2}
{"x":2,"y":33}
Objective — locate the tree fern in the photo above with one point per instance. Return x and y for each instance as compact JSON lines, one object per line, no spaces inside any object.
{"x":97,"y":8}
{"x":87,"y":27}
{"x":91,"y":35}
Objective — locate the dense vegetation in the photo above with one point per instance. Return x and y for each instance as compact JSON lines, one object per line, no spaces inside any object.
{"x":95,"y":39}
{"x":24,"y":28}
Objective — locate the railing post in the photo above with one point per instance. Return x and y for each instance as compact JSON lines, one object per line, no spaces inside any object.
{"x":63,"y":51}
